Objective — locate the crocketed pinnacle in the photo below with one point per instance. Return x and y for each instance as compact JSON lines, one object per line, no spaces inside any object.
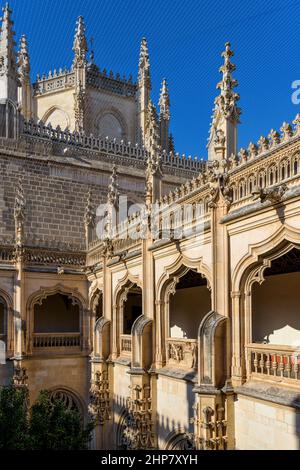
{"x":113,"y":188}
{"x":80,"y":43}
{"x":226,"y":101}
{"x":23,"y":58}
{"x":7,"y":43}
{"x":164,"y":101}
{"x":144,"y":63}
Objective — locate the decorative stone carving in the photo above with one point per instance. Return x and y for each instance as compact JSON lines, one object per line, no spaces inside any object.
{"x":100,"y":406}
{"x":274,"y":195}
{"x":137,"y":427}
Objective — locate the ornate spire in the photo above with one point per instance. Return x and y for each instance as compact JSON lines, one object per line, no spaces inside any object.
{"x":226,"y":101}
{"x":164,"y":101}
{"x":80,"y":44}
{"x":144,"y":64}
{"x":23,"y":59}
{"x":113,"y":188}
{"x":8,"y":58}
{"x":19,"y":214}
{"x":89,"y":212}
{"x":152,"y":137}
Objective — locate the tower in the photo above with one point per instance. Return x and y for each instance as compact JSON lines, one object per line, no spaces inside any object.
{"x":143,"y":92}
{"x":164,"y":115}
{"x":25,"y":97}
{"x":8,"y":68}
{"x":222,"y":141}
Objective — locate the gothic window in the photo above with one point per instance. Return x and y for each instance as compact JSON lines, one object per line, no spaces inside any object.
{"x":180,"y":441}
{"x":295,"y":166}
{"x":57,"y":117}
{"x":68,"y":398}
{"x":110,"y":126}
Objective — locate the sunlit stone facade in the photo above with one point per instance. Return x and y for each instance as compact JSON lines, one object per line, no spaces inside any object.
{"x":176,"y":327}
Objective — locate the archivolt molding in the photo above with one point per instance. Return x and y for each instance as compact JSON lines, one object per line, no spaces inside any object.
{"x":44,"y":292}
{"x":7,"y":299}
{"x":114,"y":112}
{"x":124,"y":285}
{"x":54,"y":108}
{"x":167,"y":282}
{"x":260,"y":256}
{"x":72,"y":395}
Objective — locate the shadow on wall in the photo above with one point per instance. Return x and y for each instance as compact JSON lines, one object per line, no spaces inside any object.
{"x":172,"y":432}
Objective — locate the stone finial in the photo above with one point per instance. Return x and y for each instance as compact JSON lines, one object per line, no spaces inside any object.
{"x":8,"y":57}
{"x":263,"y":143}
{"x":23,"y":59}
{"x":296,"y":123}
{"x":164,"y":101}
{"x":152,"y":137}
{"x":89,"y":212}
{"x":80,"y":47}
{"x":144,"y":63}
{"x":274,"y":137}
{"x":227,"y":99}
{"x":113,"y":187}
{"x":253,"y":151}
{"x":287,"y":131}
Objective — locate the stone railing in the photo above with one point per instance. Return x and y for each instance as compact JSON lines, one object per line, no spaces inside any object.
{"x":110,"y":82}
{"x":56,"y":340}
{"x":111,"y":147}
{"x":182,"y":352}
{"x":125,"y":345}
{"x":274,"y":362}
{"x":7,"y":254}
{"x":56,"y":80}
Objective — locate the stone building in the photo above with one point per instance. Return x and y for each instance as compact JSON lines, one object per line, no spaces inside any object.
{"x":176,"y":326}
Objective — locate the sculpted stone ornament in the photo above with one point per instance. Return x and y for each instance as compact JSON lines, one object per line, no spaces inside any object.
{"x":219,"y":138}
{"x":20,"y":376}
{"x":80,"y":44}
{"x":137,"y":432}
{"x":79,"y":108}
{"x":89,"y":213}
{"x":274,"y":195}
{"x":19,"y":216}
{"x":227,"y":99}
{"x":99,"y":406}
{"x":219,"y":180}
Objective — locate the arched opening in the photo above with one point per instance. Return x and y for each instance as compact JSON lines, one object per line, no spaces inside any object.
{"x":57,"y":322}
{"x":132,"y":308}
{"x":189,"y":302}
{"x":188,"y":305}
{"x":276,"y":303}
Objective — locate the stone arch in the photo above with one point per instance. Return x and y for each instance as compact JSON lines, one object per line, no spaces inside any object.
{"x":71,"y":399}
{"x":179,"y":439}
{"x":166,"y":287}
{"x":117,"y":119}
{"x":9,"y":119}
{"x":59,"y":117}
{"x":40,"y":295}
{"x":119,"y":298}
{"x":248,"y":271}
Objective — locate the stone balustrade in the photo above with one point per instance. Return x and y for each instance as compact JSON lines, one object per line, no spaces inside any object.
{"x":56,"y":340}
{"x":125,"y":345}
{"x":275,"y":362}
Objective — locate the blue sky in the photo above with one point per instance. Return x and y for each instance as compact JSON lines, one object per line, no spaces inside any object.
{"x":185,"y":40}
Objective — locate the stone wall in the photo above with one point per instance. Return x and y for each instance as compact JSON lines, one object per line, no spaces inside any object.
{"x":263,"y":425}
